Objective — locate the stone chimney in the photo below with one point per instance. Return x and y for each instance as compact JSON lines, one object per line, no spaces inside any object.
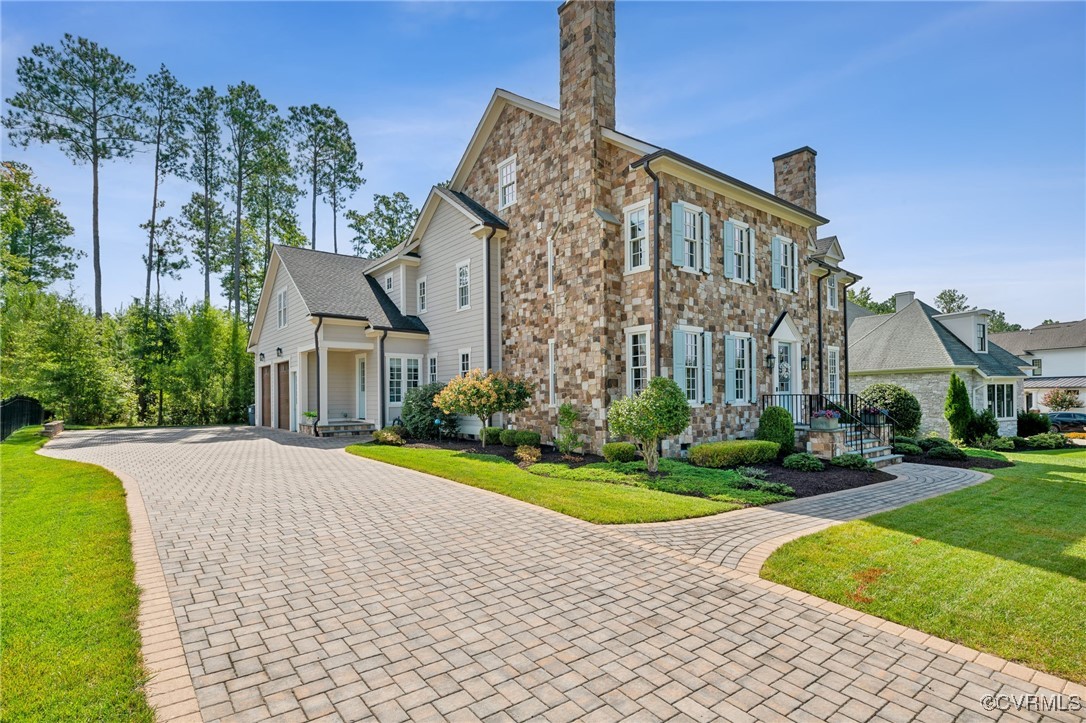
{"x":903,"y":299}
{"x":587,"y":62}
{"x":794,"y":177}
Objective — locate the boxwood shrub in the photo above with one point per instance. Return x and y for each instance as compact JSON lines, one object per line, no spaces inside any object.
{"x":527,"y":438}
{"x":509,"y":437}
{"x":620,"y":452}
{"x":950,"y":452}
{"x":1048,"y":440}
{"x":734,"y":453}
{"x":776,"y":425}
{"x":851,"y":460}
{"x":906,"y":448}
{"x":804,"y":462}
{"x":928,"y":443}
{"x":492,"y":435}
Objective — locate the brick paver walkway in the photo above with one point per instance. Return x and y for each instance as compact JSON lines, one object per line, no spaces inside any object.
{"x":310,"y":584}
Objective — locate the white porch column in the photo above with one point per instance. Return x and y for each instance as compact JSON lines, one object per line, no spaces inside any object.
{"x":322,"y":360}
{"x":256,"y":396}
{"x":302,"y":392}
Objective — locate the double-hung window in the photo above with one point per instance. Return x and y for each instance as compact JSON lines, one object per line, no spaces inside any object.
{"x":689,"y":237}
{"x":1001,"y":400}
{"x":463,"y":285}
{"x":833,"y":358}
{"x":739,"y":385}
{"x":738,"y":251}
{"x":637,"y":360}
{"x":395,"y":380}
{"x":507,"y":182}
{"x":785,"y":260}
{"x":1037,"y":367}
{"x":433,"y":370}
{"x":693,"y":363}
{"x":831,"y":291}
{"x":281,"y":309}
{"x":691,"y":240}
{"x":692,"y":367}
{"x":552,"y":374}
{"x":636,"y":231}
{"x":413,"y":376}
{"x":420,"y":294}
{"x":982,"y":337}
{"x":389,"y":282}
{"x":465,"y":361}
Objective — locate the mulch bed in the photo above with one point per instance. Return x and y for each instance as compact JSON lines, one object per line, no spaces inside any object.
{"x":470,"y":446}
{"x":831,"y":479}
{"x":967,"y":463}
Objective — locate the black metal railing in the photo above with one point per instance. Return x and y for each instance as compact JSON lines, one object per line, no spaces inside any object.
{"x":18,"y":412}
{"x":864,"y":430}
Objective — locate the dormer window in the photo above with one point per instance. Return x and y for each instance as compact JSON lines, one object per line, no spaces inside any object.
{"x":507,"y":182}
{"x":388,"y":282}
{"x":982,"y":337}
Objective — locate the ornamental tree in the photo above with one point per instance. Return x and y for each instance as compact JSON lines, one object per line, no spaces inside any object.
{"x":958,"y":410}
{"x":658,"y":412}
{"x":483,"y":394}
{"x":1060,"y":400}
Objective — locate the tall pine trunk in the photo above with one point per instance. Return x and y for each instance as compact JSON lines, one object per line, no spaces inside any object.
{"x":96,"y":247}
{"x":151,"y":234}
{"x":313,"y":175}
{"x":207,"y":228}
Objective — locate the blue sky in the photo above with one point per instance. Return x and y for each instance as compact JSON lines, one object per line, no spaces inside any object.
{"x":951,"y":139}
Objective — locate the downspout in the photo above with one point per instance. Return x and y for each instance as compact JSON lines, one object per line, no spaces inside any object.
{"x":381,"y":379}
{"x":844,"y":317}
{"x":486,"y":299}
{"x":655,"y":269}
{"x":317,"y":352}
{"x":818,"y":292}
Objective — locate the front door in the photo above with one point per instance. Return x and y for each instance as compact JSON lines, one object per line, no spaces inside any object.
{"x":283,"y":390}
{"x":362,"y":388}
{"x":265,"y":396}
{"x":785,"y":385}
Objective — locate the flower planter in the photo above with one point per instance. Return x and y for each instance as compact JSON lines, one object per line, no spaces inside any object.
{"x":825,"y":423}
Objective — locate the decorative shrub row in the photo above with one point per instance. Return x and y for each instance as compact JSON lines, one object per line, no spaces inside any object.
{"x":734,"y":453}
{"x":1048,"y":440}
{"x":951,"y":452}
{"x":519,"y":438}
{"x":620,"y":452}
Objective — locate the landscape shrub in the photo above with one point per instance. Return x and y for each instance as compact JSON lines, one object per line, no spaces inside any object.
{"x":1019,"y":442}
{"x":776,"y":488}
{"x":569,"y":439}
{"x":753,"y":472}
{"x":422,"y":419}
{"x":659,"y":411}
{"x":482,"y":395}
{"x":733,"y":453}
{"x":1048,"y":440}
{"x":389,"y":436}
{"x":958,"y":410}
{"x":998,"y":444}
{"x":1075,"y":435}
{"x":902,"y":406}
{"x":905,"y":440}
{"x":946,"y":453}
{"x":527,"y":454}
{"x":982,"y":425}
{"x":851,"y":461}
{"x":398,"y":429}
{"x":1031,"y":423}
{"x":490,"y":434}
{"x":929,"y":442}
{"x":508,"y":437}
{"x":804,"y":462}
{"x":619,"y":452}
{"x":906,"y":448}
{"x":776,"y":425}
{"x":526,"y":438}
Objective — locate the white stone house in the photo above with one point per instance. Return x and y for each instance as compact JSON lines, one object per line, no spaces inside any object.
{"x":1056,"y":354}
{"x":918,"y":348}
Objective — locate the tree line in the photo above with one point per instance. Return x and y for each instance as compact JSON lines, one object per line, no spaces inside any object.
{"x":248,"y":165}
{"x":947,"y":301}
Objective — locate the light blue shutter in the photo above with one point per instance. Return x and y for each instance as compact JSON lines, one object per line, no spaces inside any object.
{"x":752,"y":255}
{"x":678,"y":357}
{"x":706,"y":243}
{"x":678,"y":250}
{"x":775,"y":259}
{"x":707,"y":368}
{"x":729,"y":250}
{"x":729,"y":369}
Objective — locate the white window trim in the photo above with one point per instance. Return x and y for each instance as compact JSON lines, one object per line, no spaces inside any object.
{"x":989,"y":404}
{"x":1037,"y":366}
{"x":511,"y":160}
{"x":403,"y":379}
{"x":985,"y":325}
{"x":421,"y":297}
{"x":698,"y":331}
{"x":552,"y":374}
{"x":751,"y":369}
{"x":456,"y":285}
{"x":550,"y":264}
{"x":750,"y":255}
{"x":830,"y":351}
{"x":785,"y":241}
{"x":460,"y":360}
{"x":698,"y":230}
{"x":645,"y":256}
{"x":630,"y":331}
{"x":832,"y":301}
{"x":281,"y":310}
{"x":389,"y":281}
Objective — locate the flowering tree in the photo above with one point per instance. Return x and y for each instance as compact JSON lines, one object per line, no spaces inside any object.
{"x":1060,"y":400}
{"x":659,"y":411}
{"x":479,"y":394}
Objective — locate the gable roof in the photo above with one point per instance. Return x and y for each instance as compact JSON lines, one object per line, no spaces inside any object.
{"x":475,"y":212}
{"x":913,"y":339}
{"x":829,"y":246}
{"x":1068,"y":335}
{"x":855,"y":311}
{"x":330,"y":285}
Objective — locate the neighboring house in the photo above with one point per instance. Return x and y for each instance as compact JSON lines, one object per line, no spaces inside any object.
{"x":582,"y":259}
{"x":1056,"y":354}
{"x":917,"y":348}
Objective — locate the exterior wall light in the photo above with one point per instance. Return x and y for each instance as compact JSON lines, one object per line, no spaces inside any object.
{"x":769,"y":361}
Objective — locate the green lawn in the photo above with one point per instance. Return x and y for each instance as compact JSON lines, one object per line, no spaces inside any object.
{"x":600,"y":502}
{"x":999,"y":567}
{"x":68,"y":628}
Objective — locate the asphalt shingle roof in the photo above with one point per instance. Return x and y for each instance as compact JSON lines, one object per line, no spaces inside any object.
{"x":1067,"y":335}
{"x":914,"y":339}
{"x":1049,"y":382}
{"x":336,"y":285}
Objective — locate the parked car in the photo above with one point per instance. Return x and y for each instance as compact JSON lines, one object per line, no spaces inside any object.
{"x":1067,"y":421}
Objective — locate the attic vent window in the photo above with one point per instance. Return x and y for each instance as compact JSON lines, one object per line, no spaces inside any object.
{"x":507,"y":182}
{"x":281,"y":309}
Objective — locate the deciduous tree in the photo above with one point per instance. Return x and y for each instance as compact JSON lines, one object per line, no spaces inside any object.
{"x":658,"y":412}
{"x":34,"y":230}
{"x":1060,"y":400}
{"x":385,"y":227}
{"x":997,"y":323}
{"x":951,"y":301}
{"x":862,"y":297}
{"x":483,"y":394}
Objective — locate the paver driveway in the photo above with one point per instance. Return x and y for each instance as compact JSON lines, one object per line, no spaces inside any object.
{"x":311,"y":584}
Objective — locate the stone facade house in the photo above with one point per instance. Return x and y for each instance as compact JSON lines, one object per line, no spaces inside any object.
{"x":1056,"y":354}
{"x":583,"y":259}
{"x":918,"y":348}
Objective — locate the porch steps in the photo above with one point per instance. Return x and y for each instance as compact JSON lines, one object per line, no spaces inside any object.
{"x":876,"y":454}
{"x":346,"y":429}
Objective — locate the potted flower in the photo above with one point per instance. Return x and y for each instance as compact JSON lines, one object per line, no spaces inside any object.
{"x":825,"y":419}
{"x":873,"y":415}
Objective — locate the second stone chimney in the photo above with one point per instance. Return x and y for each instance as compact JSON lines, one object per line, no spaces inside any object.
{"x":587,"y":62}
{"x":794,"y":177}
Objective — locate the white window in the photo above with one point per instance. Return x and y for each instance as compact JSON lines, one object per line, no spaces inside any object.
{"x":831,"y":291}
{"x":412,"y":373}
{"x":465,"y":361}
{"x":1001,"y":400}
{"x":637,"y":360}
{"x":982,"y":337}
{"x":833,"y":357}
{"x":388,"y":282}
{"x":420,"y":290}
{"x":395,"y":380}
{"x":550,"y":264}
{"x":691,"y":371}
{"x":507,"y":182}
{"x":636,"y":230}
{"x":743,"y":240}
{"x":788,"y":266}
{"x":552,"y":376}
{"x":1037,"y":367}
{"x":739,"y":369}
{"x":281,"y":309}
{"x":463,"y":285}
{"x":433,"y":370}
{"x":691,"y":237}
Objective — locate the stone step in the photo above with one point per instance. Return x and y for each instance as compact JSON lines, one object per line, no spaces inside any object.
{"x":876,"y":450}
{"x":885,"y":460}
{"x":333,"y":432}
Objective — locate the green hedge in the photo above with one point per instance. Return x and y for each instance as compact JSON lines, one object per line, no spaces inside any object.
{"x":509,"y":437}
{"x":851,"y":461}
{"x":776,"y":425}
{"x":804,"y":462}
{"x":733,"y":453}
{"x":527,"y":438}
{"x":620,"y":452}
